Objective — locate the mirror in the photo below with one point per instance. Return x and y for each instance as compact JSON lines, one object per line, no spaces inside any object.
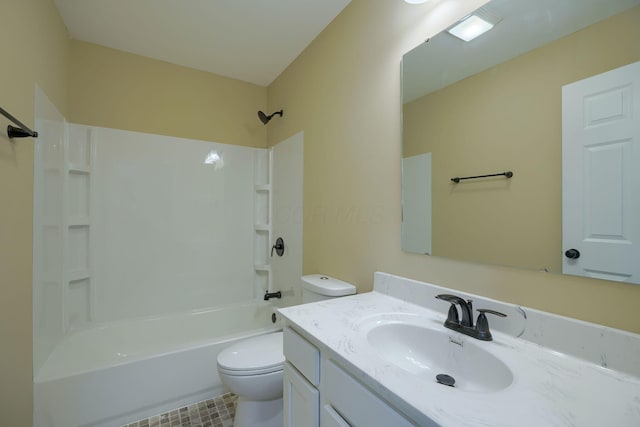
{"x":495,"y":104}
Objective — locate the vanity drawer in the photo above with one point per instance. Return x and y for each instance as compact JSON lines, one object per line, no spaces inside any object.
{"x":354,"y":403}
{"x":302,"y":354}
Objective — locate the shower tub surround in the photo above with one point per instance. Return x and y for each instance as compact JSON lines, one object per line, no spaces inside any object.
{"x":128,"y":225}
{"x":124,"y":371}
{"x":565,"y":372}
{"x":146,"y":256}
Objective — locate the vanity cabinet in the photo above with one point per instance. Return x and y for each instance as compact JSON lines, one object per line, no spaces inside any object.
{"x":301,"y":400}
{"x":354,"y":402}
{"x":313,"y":381}
{"x":301,"y":379}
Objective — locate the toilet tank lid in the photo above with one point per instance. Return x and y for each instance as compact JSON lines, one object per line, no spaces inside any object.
{"x":328,"y":286}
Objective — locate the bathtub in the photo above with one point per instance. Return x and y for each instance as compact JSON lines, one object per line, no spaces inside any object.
{"x":112,"y":374}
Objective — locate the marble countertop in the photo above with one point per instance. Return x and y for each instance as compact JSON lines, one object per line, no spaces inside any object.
{"x":549,"y":388}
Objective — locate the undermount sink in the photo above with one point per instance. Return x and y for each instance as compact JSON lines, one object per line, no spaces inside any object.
{"x":429,"y":353}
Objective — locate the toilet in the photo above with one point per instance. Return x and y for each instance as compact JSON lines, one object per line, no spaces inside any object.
{"x":252,"y":368}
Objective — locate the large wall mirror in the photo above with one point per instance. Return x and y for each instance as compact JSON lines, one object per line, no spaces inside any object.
{"x":552,"y":94}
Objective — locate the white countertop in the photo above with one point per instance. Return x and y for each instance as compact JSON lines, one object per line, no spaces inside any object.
{"x":549,"y":388}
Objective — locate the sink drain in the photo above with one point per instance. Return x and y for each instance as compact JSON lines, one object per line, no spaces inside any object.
{"x":445,"y":379}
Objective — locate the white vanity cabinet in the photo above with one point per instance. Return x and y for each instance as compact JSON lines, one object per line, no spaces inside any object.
{"x":301,"y":400}
{"x":313,"y":381}
{"x":301,"y":379}
{"x":355,"y":403}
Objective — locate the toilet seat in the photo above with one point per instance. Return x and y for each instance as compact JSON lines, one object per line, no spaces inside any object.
{"x":254,"y":356}
{"x":248,"y":372}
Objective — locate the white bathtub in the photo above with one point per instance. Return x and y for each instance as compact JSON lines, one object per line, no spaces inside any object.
{"x":120,"y":372}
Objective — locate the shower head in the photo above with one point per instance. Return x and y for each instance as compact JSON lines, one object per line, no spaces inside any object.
{"x":265,"y":119}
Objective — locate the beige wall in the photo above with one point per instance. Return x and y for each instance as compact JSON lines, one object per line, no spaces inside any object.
{"x":509,"y":118}
{"x":97,"y":86}
{"x":344,"y":92}
{"x":115,"y":89}
{"x":35,"y":50}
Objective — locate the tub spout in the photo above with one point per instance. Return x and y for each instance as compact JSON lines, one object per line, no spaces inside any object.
{"x":268,"y":295}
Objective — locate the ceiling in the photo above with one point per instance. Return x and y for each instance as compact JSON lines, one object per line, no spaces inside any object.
{"x":249,"y":40}
{"x":523,"y":26}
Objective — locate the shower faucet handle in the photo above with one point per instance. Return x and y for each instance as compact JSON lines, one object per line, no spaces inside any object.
{"x":278,"y":246}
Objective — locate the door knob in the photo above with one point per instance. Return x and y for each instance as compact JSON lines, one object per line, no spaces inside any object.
{"x":572,"y":254}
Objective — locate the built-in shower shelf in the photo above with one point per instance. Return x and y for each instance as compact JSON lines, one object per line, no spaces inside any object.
{"x":262,"y":197}
{"x":263,"y":267}
{"x":263,"y":187}
{"x":77,"y":275}
{"x":80,"y":221}
{"x":79,"y":169}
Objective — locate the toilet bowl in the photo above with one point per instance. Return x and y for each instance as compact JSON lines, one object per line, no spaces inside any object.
{"x":253,"y":368}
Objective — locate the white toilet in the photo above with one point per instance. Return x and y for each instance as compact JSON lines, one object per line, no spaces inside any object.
{"x":252,"y":368}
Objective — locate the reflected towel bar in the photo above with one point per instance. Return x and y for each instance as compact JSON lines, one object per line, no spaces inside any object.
{"x":17,"y":132}
{"x":508,"y":174}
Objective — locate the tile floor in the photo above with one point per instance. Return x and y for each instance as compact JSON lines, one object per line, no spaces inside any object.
{"x":216,"y":412}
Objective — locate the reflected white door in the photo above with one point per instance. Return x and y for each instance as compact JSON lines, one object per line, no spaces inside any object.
{"x":601,"y":175}
{"x":416,"y":204}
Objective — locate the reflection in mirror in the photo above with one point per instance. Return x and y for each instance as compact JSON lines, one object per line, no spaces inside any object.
{"x":508,"y":101}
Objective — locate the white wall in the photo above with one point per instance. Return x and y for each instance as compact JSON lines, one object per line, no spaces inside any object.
{"x":287,"y":218}
{"x":47,"y":228}
{"x":169,"y":232}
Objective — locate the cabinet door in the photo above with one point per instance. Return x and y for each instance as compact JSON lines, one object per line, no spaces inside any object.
{"x":330,"y":418}
{"x":301,"y":400}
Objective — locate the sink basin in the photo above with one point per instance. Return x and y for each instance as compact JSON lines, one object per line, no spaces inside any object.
{"x":427,"y":353}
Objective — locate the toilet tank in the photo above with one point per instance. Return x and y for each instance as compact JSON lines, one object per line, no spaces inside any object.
{"x":319,"y":287}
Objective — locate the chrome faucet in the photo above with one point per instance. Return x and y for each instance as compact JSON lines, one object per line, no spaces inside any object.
{"x":465,"y":326}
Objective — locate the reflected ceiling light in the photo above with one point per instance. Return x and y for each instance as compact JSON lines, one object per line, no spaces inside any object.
{"x":470,"y":27}
{"x":415,"y":1}
{"x":215,"y":159}
{"x":212,"y":157}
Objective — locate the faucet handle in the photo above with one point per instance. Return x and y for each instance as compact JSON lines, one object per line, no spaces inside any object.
{"x":452,"y":316}
{"x":465,"y":309}
{"x":482,"y":324}
{"x":453,"y":299}
{"x":486,"y":310}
